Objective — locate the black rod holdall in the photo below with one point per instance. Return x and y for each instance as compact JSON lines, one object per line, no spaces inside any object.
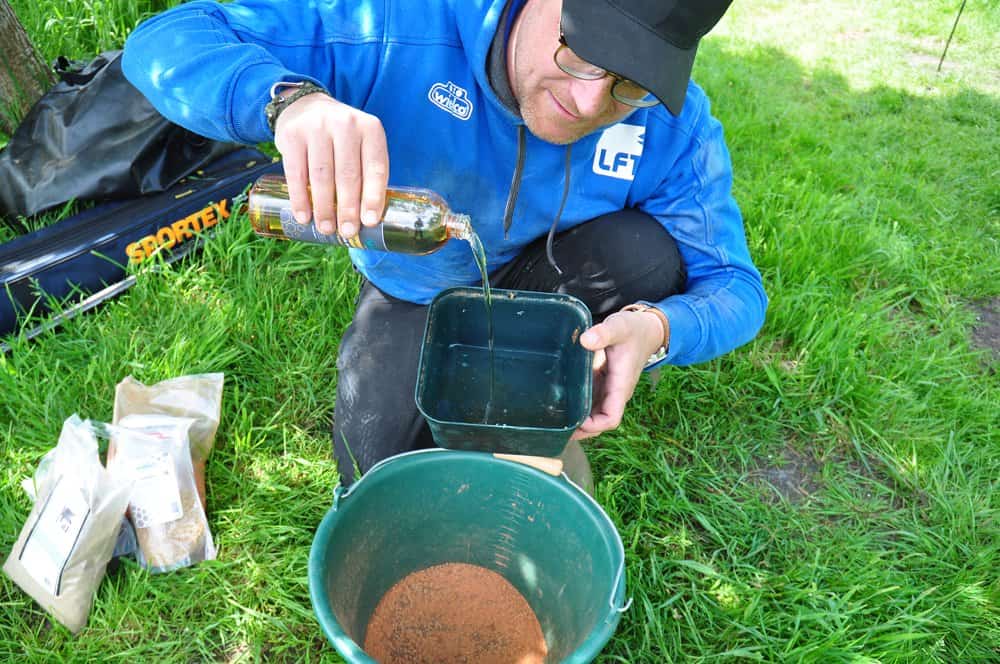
{"x":159,"y":189}
{"x":81,"y":261}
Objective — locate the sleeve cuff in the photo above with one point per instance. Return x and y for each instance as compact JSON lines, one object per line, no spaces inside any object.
{"x":252,"y":92}
{"x":684,"y":330}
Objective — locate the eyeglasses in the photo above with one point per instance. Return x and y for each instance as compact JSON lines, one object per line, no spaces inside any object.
{"x":627,"y":92}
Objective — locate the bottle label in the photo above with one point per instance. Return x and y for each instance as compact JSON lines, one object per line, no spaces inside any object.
{"x":55,"y":534}
{"x":156,"y":498}
{"x":369,"y":237}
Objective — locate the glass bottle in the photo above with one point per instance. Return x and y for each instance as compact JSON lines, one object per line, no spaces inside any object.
{"x":415,"y":221}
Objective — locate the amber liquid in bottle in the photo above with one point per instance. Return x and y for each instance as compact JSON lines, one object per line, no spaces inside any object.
{"x":415,"y":221}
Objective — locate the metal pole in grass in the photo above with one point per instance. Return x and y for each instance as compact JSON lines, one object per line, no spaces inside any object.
{"x":948,"y":43}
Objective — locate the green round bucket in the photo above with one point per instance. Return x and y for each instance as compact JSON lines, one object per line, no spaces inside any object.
{"x":543,"y":534}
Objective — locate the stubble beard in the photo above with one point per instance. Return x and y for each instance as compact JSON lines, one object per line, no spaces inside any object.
{"x":531,"y":119}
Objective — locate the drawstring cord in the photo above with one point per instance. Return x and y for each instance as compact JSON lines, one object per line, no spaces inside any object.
{"x":515,"y":184}
{"x":555,"y":222}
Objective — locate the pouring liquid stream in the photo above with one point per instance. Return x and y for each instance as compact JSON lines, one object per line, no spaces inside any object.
{"x":479,"y":254}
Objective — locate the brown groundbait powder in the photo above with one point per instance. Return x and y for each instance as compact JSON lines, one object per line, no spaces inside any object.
{"x":168,"y":544}
{"x":454,"y":613}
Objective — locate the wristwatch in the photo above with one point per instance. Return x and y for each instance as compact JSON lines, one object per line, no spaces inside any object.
{"x":661,"y":352}
{"x":280,"y":102}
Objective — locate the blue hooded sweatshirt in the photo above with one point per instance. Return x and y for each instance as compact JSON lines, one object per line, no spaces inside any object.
{"x":420,"y":67}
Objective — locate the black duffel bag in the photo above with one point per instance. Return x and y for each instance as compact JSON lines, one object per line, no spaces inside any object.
{"x":94,"y":136}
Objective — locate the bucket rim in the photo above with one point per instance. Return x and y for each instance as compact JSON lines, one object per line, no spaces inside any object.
{"x":347,"y":647}
{"x":477,"y":291}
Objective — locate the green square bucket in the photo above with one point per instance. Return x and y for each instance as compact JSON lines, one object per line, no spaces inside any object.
{"x":528,"y":395}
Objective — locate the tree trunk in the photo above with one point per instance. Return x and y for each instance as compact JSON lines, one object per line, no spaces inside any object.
{"x":23,"y":74}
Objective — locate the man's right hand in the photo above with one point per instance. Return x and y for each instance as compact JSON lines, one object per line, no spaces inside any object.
{"x":339,"y":154}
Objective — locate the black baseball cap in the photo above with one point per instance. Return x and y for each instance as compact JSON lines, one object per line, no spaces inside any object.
{"x":651,"y":42}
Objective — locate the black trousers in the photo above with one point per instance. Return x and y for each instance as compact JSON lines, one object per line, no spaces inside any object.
{"x":608,"y":262}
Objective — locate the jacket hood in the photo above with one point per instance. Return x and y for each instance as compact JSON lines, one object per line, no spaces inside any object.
{"x":477,"y":23}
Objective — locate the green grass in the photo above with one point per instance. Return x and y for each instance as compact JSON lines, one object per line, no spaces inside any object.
{"x":827,"y":493}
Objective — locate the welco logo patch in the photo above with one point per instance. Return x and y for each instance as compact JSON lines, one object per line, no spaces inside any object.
{"x":451,"y":98}
{"x":618,"y":151}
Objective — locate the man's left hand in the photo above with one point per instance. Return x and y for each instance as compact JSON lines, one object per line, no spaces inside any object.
{"x":622,"y":345}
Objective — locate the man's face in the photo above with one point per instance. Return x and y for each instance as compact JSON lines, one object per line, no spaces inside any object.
{"x":556,"y":107}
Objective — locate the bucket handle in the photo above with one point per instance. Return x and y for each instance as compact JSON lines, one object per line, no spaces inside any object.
{"x":340,"y":492}
{"x":616,"y":606}
{"x":618,"y":578}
